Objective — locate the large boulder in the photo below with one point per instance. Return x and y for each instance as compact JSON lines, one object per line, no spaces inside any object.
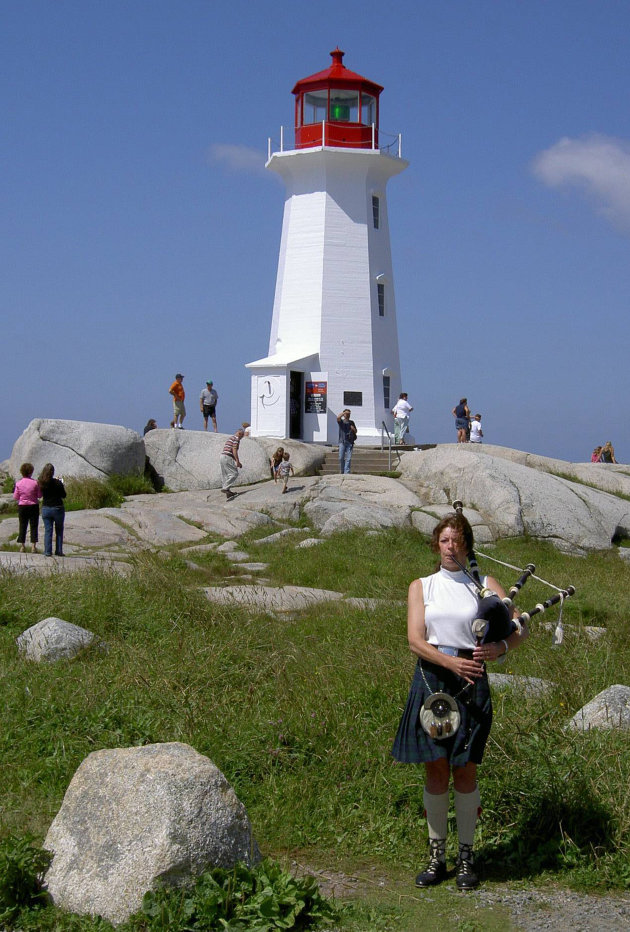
{"x":514,"y":499}
{"x":135,"y":818}
{"x":79,"y":448}
{"x":53,"y":639}
{"x":191,"y":459}
{"x":609,"y":709}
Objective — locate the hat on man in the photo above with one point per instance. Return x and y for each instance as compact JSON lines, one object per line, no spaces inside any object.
{"x":179,"y":376}
{"x":208,"y":381}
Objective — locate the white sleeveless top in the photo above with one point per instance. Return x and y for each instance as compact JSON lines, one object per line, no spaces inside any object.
{"x":450,"y":607}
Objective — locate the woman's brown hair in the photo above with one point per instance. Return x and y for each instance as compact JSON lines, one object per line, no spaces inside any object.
{"x":457,"y":523}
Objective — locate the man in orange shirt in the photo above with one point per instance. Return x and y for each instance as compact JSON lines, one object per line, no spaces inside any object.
{"x":179,"y":409}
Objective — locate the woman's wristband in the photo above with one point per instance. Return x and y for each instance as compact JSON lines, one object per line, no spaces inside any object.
{"x":505,"y":644}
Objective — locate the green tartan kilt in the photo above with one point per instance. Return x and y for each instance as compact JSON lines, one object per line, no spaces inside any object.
{"x":413,"y":745}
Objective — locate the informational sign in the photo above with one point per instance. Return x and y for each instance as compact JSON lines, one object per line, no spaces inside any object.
{"x":315,"y":397}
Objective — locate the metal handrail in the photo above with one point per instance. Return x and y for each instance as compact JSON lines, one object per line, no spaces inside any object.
{"x":392,"y":148}
{"x":389,"y":445}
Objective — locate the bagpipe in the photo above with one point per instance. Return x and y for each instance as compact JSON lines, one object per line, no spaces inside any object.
{"x":493,"y":621}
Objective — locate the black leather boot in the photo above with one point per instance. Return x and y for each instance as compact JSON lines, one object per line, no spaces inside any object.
{"x":435,"y":871}
{"x":466,"y":878}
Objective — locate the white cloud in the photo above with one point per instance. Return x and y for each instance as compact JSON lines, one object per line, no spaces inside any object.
{"x":239,"y":158}
{"x":598,"y":165}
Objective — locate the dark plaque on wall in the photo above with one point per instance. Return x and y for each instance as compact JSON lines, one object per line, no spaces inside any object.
{"x":315,"y":394}
{"x":353,"y":399}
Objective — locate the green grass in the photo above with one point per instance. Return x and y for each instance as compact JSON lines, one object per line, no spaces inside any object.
{"x":300,"y":712}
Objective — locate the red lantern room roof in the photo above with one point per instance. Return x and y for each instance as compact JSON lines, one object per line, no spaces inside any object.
{"x":337,"y":74}
{"x":336,"y":107}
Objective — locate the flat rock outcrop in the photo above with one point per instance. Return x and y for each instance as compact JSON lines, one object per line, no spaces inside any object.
{"x":608,"y":477}
{"x":514,"y":499}
{"x":133,"y":818}
{"x":79,"y":448}
{"x":53,"y":639}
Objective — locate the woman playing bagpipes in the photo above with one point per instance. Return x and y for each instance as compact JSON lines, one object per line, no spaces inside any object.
{"x":447,"y":719}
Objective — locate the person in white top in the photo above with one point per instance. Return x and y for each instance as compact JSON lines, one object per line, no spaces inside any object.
{"x":476,"y":432}
{"x":451,"y":679}
{"x":401,"y":412}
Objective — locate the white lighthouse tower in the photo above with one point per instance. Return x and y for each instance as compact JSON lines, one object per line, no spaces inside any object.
{"x":334,"y":340}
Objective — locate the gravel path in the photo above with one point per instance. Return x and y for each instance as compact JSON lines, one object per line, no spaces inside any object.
{"x":535,"y":910}
{"x":532,"y":909}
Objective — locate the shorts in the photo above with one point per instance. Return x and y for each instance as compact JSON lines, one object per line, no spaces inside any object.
{"x":461,"y":423}
{"x":209,"y":410}
{"x":413,"y":745}
{"x":179,"y":408}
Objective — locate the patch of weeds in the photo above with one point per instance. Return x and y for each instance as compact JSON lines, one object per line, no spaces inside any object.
{"x":131,"y":485}
{"x":260,"y":898}
{"x":90,"y":493}
{"x":390,"y":473}
{"x":8,"y":484}
{"x":590,"y":485}
{"x":22,"y":865}
{"x":104,"y":493}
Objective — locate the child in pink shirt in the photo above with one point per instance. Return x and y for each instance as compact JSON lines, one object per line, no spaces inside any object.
{"x":27,"y":494}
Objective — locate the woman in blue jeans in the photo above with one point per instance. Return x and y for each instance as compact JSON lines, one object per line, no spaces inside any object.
{"x":53,"y":510}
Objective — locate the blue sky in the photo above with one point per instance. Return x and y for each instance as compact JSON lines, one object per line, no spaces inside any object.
{"x":140,"y":229}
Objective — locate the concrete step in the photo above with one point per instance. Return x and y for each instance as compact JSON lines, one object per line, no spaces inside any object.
{"x":368,"y":460}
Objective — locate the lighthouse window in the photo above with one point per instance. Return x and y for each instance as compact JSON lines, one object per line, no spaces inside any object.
{"x":315,"y":106}
{"x":368,"y":109}
{"x":386,"y":391}
{"x":376,"y":211}
{"x":380,"y":288}
{"x":344,"y":106}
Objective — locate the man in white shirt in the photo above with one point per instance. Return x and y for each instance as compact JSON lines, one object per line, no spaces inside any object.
{"x":401,"y":413}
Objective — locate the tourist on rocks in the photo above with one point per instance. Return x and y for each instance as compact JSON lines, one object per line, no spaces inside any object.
{"x":595,"y":455}
{"x":27,"y":494}
{"x":274,"y":462}
{"x":179,"y":408}
{"x":347,"y":436}
{"x":230,"y":463}
{"x":285,"y":469}
{"x":401,"y":411}
{"x":53,"y":509}
{"x":151,"y":424}
{"x":608,"y":453}
{"x":208,"y":405}
{"x":461,"y":413}
{"x":476,"y":432}
{"x":441,"y":609}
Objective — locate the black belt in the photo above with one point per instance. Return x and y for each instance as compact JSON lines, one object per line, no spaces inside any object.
{"x":461,"y":652}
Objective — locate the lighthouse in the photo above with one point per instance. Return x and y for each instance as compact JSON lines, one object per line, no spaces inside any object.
{"x":334,"y":340}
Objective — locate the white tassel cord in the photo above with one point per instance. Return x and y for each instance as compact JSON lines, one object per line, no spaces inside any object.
{"x":558,"y":634}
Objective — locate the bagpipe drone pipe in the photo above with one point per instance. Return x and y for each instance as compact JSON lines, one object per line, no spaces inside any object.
{"x":493,"y":621}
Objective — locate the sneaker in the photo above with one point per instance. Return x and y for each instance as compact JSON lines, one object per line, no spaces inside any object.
{"x":466,"y":878}
{"x":435,"y":871}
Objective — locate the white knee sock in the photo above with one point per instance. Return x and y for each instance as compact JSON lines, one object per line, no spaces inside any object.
{"x":436,"y":807}
{"x":467,"y":809}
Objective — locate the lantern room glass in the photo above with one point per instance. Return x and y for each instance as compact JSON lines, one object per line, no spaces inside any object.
{"x":344,"y":106}
{"x":368,"y":109}
{"x":315,"y":106}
